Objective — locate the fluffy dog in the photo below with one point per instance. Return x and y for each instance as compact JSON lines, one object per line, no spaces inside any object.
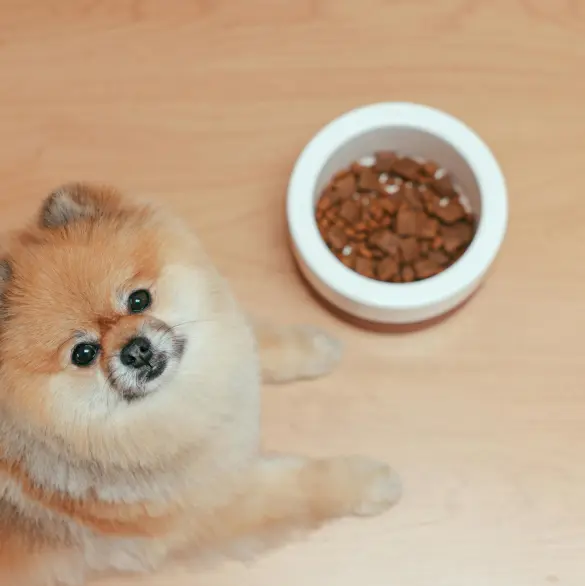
{"x":129,"y":402}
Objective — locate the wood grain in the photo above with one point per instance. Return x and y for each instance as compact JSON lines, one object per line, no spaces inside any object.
{"x":206,"y":104}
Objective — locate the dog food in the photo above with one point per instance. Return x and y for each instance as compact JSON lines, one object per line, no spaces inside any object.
{"x":394,"y":218}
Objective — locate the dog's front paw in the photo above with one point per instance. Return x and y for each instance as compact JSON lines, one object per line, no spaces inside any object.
{"x":289,"y":353}
{"x":319,"y":352}
{"x":377,"y":486}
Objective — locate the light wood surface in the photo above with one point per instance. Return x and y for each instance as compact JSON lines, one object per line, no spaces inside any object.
{"x":206,"y":104}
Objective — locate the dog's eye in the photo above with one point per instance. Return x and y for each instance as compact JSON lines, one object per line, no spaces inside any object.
{"x":84,"y":354}
{"x":139,"y":301}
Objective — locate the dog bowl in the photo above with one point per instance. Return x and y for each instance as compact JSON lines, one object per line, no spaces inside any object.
{"x":417,"y":131}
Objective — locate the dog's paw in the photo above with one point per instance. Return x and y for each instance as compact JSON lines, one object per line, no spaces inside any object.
{"x":289,"y":353}
{"x":378,"y":486}
{"x":319,"y":352}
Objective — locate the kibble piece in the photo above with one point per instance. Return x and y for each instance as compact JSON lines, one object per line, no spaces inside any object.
{"x":390,"y":204}
{"x":349,"y":260}
{"x":384,"y":161}
{"x":387,"y":268}
{"x":406,"y":168}
{"x":364,"y":251}
{"x":444,"y":187}
{"x":337,"y":238}
{"x":456,"y":236}
{"x":437,"y":243}
{"x":426,"y":268}
{"x":406,"y":221}
{"x":413,"y":197}
{"x":408,"y":274}
{"x":410,"y":249}
{"x":450,"y":213}
{"x":368,"y":180}
{"x":365,"y":267}
{"x":376,"y":210}
{"x":439,"y":257}
{"x":350,"y":211}
{"x":345,"y":186}
{"x":429,"y":168}
{"x":341,"y":175}
{"x":427,"y":228}
{"x":324,"y":203}
{"x":386,"y":241}
{"x":425,"y":247}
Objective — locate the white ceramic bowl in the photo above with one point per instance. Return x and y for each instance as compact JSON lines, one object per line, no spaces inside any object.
{"x":413,"y":130}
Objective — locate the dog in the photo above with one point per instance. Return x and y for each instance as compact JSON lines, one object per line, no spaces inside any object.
{"x":130,"y":401}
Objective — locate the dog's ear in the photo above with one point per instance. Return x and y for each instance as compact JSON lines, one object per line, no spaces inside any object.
{"x":75,"y":201}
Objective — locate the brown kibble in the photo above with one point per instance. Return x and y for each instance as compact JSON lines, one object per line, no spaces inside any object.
{"x":413,"y":197}
{"x":365,"y":267}
{"x":341,"y":175}
{"x":387,"y":268}
{"x":437,"y":243}
{"x":331,"y":214}
{"x":430,"y":168}
{"x":406,"y":221}
{"x":408,"y":274}
{"x":444,"y":187}
{"x":324,"y":203}
{"x":384,"y":161}
{"x":376,"y":210}
{"x":331,"y":193}
{"x":364,"y":251}
{"x":337,"y":238}
{"x":346,"y":186}
{"x":349,"y":260}
{"x":410,"y":249}
{"x":456,"y":236}
{"x":407,"y":228}
{"x":350,"y":211}
{"x":439,"y":257}
{"x":448,"y":211}
{"x":426,"y":268}
{"x":386,"y":241}
{"x":368,"y":180}
{"x":390,"y":204}
{"x":407,"y":168}
{"x":426,"y":227}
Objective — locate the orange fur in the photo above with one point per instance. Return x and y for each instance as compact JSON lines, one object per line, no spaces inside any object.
{"x":93,"y":479}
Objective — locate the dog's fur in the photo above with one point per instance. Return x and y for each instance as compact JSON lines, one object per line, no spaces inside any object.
{"x":91,"y":481}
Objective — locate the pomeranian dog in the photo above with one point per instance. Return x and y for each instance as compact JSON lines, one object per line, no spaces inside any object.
{"x":130,"y":401}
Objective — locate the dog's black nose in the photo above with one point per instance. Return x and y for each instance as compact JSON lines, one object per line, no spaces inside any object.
{"x":137,"y":353}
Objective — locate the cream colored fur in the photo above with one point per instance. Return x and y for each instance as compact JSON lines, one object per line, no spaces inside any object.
{"x":180,"y":472}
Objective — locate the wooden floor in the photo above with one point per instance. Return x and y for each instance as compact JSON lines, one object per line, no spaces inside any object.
{"x":206,"y":104}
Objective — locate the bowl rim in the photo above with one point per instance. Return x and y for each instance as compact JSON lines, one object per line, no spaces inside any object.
{"x":357,"y":288}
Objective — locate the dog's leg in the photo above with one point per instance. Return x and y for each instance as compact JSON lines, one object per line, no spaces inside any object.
{"x":286,"y":494}
{"x":289,"y":353}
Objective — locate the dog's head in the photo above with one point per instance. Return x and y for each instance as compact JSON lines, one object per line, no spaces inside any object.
{"x":100,"y":304}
